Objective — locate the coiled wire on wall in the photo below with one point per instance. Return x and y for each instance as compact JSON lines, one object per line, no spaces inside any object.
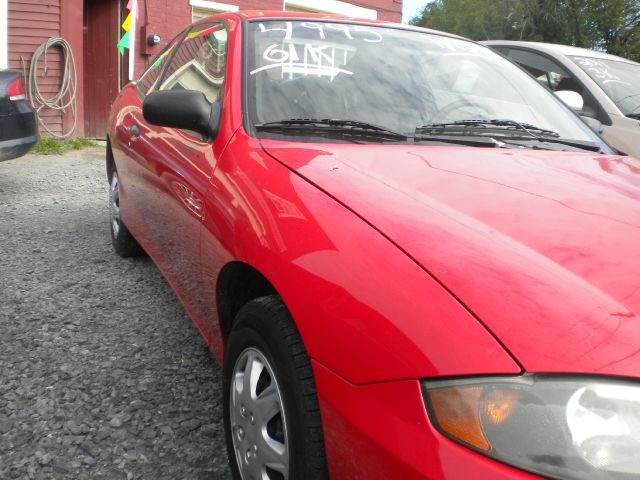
{"x":66,"y":96}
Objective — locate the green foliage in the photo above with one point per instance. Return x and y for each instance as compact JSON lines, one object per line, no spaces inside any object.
{"x":53,"y":146}
{"x":609,"y":25}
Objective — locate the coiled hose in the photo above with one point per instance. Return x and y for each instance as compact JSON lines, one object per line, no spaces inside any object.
{"x":66,"y":96}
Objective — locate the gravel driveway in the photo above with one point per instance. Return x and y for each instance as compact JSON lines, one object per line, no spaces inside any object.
{"x":102,"y":375}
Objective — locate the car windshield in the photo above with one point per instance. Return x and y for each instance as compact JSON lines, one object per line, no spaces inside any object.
{"x":619,"y":80}
{"x":392,"y":78}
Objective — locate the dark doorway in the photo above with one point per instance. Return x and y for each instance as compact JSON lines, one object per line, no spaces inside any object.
{"x":101,"y":63}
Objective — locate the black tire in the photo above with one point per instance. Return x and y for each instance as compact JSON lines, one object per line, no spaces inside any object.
{"x":123,"y":242}
{"x":264,"y":325}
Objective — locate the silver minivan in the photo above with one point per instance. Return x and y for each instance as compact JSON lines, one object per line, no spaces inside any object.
{"x":608,"y":87}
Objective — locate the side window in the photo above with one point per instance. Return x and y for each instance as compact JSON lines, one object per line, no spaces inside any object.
{"x":200,"y":62}
{"x":553,"y":76}
{"x":544,"y":70}
{"x":153,"y":71}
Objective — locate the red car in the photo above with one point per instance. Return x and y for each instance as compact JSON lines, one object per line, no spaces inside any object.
{"x":411,"y":259}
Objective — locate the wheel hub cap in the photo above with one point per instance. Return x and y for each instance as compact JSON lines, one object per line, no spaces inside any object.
{"x":114,"y":191}
{"x":258,"y":420}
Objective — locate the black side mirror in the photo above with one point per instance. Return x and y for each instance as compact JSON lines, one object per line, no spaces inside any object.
{"x":183,"y":109}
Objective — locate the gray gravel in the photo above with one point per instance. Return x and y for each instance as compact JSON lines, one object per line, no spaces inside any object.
{"x":102,"y":375}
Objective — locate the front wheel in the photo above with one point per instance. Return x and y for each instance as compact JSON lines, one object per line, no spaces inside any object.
{"x":123,"y":242}
{"x":272,"y":418}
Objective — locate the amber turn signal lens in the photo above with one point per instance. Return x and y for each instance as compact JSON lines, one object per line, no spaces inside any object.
{"x":499,"y":405}
{"x":457,"y":412}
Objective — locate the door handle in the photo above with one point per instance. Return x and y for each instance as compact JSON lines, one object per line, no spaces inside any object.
{"x":134,"y":131}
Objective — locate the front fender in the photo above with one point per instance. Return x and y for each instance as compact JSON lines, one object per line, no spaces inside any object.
{"x":364,"y":309}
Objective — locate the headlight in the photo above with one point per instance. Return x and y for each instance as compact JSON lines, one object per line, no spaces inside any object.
{"x":564,"y":428}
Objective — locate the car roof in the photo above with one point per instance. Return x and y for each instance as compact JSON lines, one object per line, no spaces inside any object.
{"x":554,"y":48}
{"x":279,"y":15}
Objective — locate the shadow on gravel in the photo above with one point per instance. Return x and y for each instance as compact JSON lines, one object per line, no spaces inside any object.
{"x":102,"y":375}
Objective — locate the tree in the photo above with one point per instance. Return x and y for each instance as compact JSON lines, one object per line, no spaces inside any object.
{"x":477,"y":19}
{"x":615,"y":26}
{"x":608,"y":25}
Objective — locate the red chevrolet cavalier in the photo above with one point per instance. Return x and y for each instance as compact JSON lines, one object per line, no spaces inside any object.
{"x":412,"y":260}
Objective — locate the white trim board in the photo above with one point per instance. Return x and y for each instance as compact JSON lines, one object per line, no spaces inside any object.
{"x":333,"y":6}
{"x":4,"y":34}
{"x":214,"y":6}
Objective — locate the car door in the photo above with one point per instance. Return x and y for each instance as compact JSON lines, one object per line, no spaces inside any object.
{"x":134,"y":154}
{"x":174,"y":166}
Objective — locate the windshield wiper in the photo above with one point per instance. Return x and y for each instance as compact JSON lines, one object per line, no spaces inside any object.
{"x":466,"y":140}
{"x":452,"y":132}
{"x":635,"y":116}
{"x":533,"y":132}
{"x":331,"y":124}
{"x":581,"y":144}
{"x":512,"y":125}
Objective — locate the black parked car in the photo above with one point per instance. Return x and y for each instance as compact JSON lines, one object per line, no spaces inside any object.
{"x":18,"y":123}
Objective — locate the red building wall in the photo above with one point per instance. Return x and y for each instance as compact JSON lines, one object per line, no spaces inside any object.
{"x":30,"y":24}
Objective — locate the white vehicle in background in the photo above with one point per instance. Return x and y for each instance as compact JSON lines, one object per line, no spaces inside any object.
{"x":608,"y":87}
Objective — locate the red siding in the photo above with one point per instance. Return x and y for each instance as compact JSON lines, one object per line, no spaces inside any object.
{"x":31,"y":24}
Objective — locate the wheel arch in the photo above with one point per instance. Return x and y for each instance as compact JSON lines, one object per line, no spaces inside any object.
{"x":238,"y":283}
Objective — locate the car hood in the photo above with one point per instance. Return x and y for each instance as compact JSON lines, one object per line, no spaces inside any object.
{"x":543,"y":247}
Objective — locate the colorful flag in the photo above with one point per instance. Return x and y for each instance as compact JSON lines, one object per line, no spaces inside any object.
{"x":123,"y":43}
{"x":128,"y":40}
{"x":130,"y":7}
{"x":126,"y":25}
